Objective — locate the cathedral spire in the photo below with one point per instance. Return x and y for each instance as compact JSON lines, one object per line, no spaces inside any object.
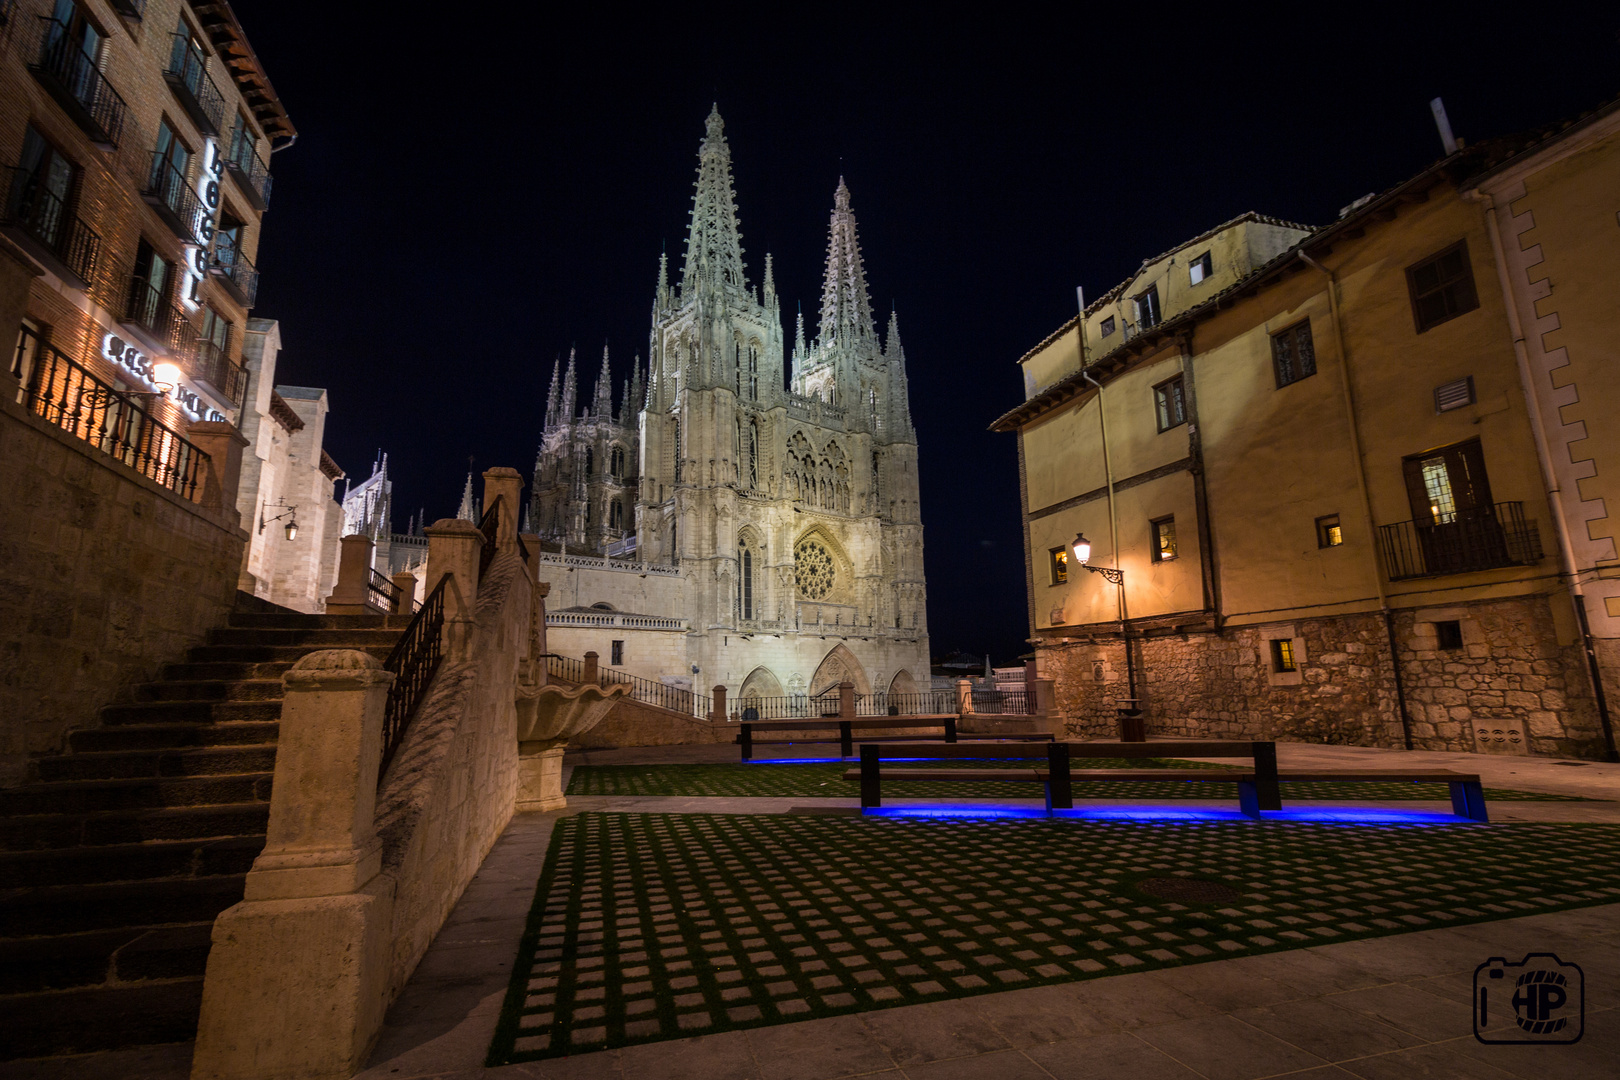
{"x":846,"y":307}
{"x":770,"y":283}
{"x":714,"y":245}
{"x":633,"y":395}
{"x":602,"y":397}
{"x":570,"y":393}
{"x":892,"y":349}
{"x":552,"y":418}
{"x":468,"y":511}
{"x":661,"y":292}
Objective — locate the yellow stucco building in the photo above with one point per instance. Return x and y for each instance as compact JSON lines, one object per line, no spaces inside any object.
{"x":1349,"y":474}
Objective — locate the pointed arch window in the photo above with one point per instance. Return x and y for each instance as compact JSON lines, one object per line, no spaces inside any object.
{"x":616,"y":515}
{"x":616,"y":461}
{"x":753,"y":454}
{"x":745,"y":582}
{"x":590,"y":460}
{"x":677,"y":448}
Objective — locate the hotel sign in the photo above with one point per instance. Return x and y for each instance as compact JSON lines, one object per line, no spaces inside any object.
{"x":144,"y":370}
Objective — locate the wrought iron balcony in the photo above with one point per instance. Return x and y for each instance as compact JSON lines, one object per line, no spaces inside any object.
{"x":232,"y":269}
{"x":163,"y":326}
{"x":167,"y":192}
{"x":187,"y":75}
{"x":1490,"y":539}
{"x":215,"y":367}
{"x":250,"y":171}
{"x":49,"y":230}
{"x":72,"y":78}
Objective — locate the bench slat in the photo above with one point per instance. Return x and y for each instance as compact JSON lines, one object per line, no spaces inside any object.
{"x":1350,"y":775}
{"x":956,"y":774}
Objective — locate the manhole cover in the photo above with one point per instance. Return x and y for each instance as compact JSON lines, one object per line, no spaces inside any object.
{"x":1188,"y":890}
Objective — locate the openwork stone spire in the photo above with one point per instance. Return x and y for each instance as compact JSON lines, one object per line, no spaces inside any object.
{"x":553,"y":400}
{"x":714,"y":246}
{"x":846,"y":307}
{"x":892,"y":349}
{"x":570,"y":393}
{"x":602,"y":397}
{"x":468,"y":510}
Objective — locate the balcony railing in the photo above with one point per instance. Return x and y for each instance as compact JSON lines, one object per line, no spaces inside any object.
{"x":67,"y":395}
{"x":71,"y":76}
{"x":235,"y":272}
{"x":215,"y":367}
{"x":1490,"y":539}
{"x":148,"y":309}
{"x":187,"y":76}
{"x":167,"y":192}
{"x":251,"y":173}
{"x":48,"y":228}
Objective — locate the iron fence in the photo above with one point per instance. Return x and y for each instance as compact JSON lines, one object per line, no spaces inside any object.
{"x":414,"y":660}
{"x":380,"y":592}
{"x":215,"y":367}
{"x":40,"y":213}
{"x":674,"y":698}
{"x":177,"y":204}
{"x":187,"y":73}
{"x":69,"y":396}
{"x":235,"y":270}
{"x":915,"y":703}
{"x":1001,"y":702}
{"x":1495,"y":537}
{"x":151,"y":309}
{"x":71,"y":75}
{"x":249,"y":168}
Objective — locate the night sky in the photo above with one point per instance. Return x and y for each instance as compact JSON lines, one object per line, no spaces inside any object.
{"x":471,"y":196}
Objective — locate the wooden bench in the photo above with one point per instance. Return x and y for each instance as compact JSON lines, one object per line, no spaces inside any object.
{"x":1467,"y":793}
{"x":1257,"y":787}
{"x":846,"y":728}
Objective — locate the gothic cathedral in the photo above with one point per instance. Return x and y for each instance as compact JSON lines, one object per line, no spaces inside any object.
{"x":759,"y":528}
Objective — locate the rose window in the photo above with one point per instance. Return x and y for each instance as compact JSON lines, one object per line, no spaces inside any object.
{"x":813,"y":570}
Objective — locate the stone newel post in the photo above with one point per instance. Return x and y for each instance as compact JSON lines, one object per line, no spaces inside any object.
{"x":453,"y":549}
{"x":593,"y":671}
{"x":964,"y":697}
{"x":846,"y":700}
{"x":506,"y":484}
{"x":296,"y":978}
{"x":717,"y":712}
{"x":223,"y":443}
{"x":404,"y":592}
{"x":349,"y":595}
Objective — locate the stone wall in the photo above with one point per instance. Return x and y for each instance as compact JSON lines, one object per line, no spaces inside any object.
{"x":634,"y":723}
{"x":1510,"y":686}
{"x":104,"y":576}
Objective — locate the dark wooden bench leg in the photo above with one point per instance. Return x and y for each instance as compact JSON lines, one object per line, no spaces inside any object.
{"x":846,"y":739}
{"x":1059,"y":781}
{"x":1268,"y":796}
{"x":1468,"y":800}
{"x":871,"y":781}
{"x":950,"y":729}
{"x":1248,"y":798}
{"x":745,"y":738}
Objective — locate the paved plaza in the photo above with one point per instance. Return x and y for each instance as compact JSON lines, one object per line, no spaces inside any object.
{"x":786,"y":937}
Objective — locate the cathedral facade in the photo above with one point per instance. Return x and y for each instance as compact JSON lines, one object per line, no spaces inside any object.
{"x":737,"y":521}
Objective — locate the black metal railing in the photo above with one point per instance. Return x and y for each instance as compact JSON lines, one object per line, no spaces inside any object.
{"x":1489,"y":539}
{"x":565,"y":667}
{"x":249,"y":169}
{"x":413,"y":661}
{"x":1001,"y":702}
{"x":69,"y":396}
{"x":490,"y":526}
{"x":915,"y":703}
{"x":674,"y":698}
{"x":215,"y":367}
{"x":167,"y":192}
{"x":380,"y":591}
{"x":187,"y":75}
{"x":41,"y":214}
{"x":71,"y":75}
{"x":235,"y":270}
{"x":153,"y":311}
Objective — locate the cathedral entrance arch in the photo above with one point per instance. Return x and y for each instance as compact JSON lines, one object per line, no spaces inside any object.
{"x":761,"y":683}
{"x":836,"y":667}
{"x":902,"y":683}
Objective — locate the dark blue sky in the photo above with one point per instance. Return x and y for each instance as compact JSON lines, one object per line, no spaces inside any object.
{"x":467,"y":200}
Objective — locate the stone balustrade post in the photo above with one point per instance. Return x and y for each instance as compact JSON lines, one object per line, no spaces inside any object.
{"x":507,"y":485}
{"x":218,"y":481}
{"x":592,"y":671}
{"x":351,"y":594}
{"x":453,"y":551}
{"x":846,"y":700}
{"x":296,"y":982}
{"x":1043,"y":701}
{"x":717,"y":711}
{"x":964,"y":697}
{"x":404,"y":592}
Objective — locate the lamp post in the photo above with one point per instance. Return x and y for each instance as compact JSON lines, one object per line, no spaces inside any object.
{"x":291,"y":515}
{"x":1081,"y":547}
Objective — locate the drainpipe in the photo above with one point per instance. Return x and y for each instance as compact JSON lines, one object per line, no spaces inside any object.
{"x":1366,"y":498}
{"x":1113,"y":530}
{"x":1555,"y":494}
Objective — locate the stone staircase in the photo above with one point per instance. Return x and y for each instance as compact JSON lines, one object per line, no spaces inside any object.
{"x":116,"y":856}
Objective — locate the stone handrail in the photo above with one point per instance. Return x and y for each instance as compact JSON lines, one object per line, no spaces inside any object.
{"x":613,"y":620}
{"x":593,"y":562}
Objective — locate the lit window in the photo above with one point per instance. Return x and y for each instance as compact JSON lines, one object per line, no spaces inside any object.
{"x":1293,"y":353}
{"x":1282,"y":655}
{"x":1170,"y":398}
{"x":1164,"y":539}
{"x":1200,"y":268}
{"x":1059,"y":565}
{"x":1328,"y":531}
{"x":1107,"y":327}
{"x":1442,"y":287}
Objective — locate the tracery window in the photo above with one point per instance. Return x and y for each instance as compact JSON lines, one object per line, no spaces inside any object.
{"x":745,"y":582}
{"x":616,"y":461}
{"x":814,"y":570}
{"x":616,"y":515}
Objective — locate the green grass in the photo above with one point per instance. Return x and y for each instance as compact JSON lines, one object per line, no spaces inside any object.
{"x":656,"y":926}
{"x":825,"y":780}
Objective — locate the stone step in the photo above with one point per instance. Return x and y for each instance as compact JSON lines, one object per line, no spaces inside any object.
{"x":274,"y":669}
{"x":41,"y":831}
{"x":173,"y":736}
{"x":130,"y":862}
{"x":306,"y":639}
{"x":194,"y":712}
{"x":126,"y":955}
{"x":76,"y":797}
{"x":135,"y":764}
{"x":260,"y":654}
{"x":210,"y":690}
{"x":69,"y":909}
{"x":100,"y":1018}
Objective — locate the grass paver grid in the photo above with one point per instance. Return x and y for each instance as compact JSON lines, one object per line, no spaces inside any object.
{"x":825,"y":780}
{"x":655,"y":926}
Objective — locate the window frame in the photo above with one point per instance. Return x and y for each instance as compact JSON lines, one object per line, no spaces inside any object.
{"x":1155,"y":546}
{"x":1161,"y":400}
{"x":1057,"y":565}
{"x":1108,"y":327}
{"x":1155,"y":305}
{"x":1283,"y":659}
{"x":1449,"y":639}
{"x":1205,"y":265}
{"x":616,"y":653}
{"x":1292,"y":333}
{"x":1325,"y":537}
{"x":1470,"y":304}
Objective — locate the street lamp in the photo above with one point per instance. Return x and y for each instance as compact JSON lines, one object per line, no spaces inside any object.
{"x":1082,"y":555}
{"x":165,"y":377}
{"x":291,"y":515}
